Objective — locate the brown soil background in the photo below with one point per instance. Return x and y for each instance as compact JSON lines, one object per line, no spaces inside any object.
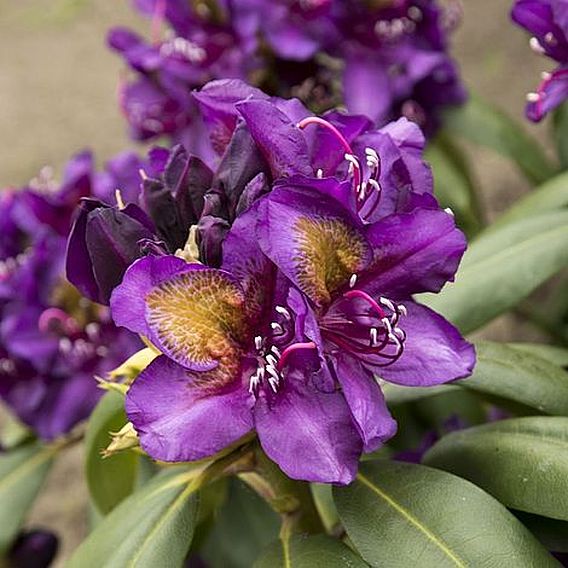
{"x":58,"y":95}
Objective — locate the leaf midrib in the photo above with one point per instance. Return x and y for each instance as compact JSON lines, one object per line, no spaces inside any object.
{"x":413,"y":521}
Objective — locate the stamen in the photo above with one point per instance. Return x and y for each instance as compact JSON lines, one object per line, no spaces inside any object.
{"x":277,"y":327}
{"x":536,"y":46}
{"x":374,"y":336}
{"x":119,"y":200}
{"x":271,"y":360}
{"x":353,"y":281}
{"x":276,"y":351}
{"x":284,"y":312}
{"x":258,"y":342}
{"x":291,"y":349}
{"x":449,"y":211}
{"x":364,"y":296}
{"x":319,"y":173}
{"x":533,"y":97}
{"x":143,"y":174}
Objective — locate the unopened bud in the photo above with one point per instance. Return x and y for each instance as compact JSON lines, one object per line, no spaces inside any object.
{"x":125,"y":439}
{"x":133,"y":366}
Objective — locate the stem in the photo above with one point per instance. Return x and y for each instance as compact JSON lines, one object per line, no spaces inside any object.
{"x":291,"y":499}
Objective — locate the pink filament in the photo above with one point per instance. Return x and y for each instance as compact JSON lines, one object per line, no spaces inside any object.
{"x":364,"y":296}
{"x":291,"y":349}
{"x":346,"y":146}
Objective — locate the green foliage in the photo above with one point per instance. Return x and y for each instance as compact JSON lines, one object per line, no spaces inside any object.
{"x":523,"y":462}
{"x":399,"y":514}
{"x":483,"y":124}
{"x":22,"y":472}
{"x":244,"y":526}
{"x":153,"y":527}
{"x":502,"y":267}
{"x":112,"y":479}
{"x":309,"y":552}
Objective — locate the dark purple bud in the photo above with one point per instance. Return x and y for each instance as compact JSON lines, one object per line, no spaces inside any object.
{"x":103,"y":242}
{"x":33,"y":549}
{"x":212,"y":232}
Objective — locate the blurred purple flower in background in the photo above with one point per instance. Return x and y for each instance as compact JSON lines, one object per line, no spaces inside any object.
{"x":547,"y":20}
{"x":52,"y":341}
{"x":384,"y":60}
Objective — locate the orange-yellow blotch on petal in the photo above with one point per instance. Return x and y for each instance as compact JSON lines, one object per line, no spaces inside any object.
{"x":329,"y":251}
{"x":200,"y":321}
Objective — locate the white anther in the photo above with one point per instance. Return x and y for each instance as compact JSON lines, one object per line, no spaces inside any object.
{"x":399,"y":333}
{"x":387,"y":324}
{"x":273,"y":384}
{"x":102,"y":351}
{"x":319,"y":173}
{"x":65,"y":345}
{"x":276,"y":327}
{"x":353,"y":162}
{"x":258,"y":342}
{"x":415,"y":13}
{"x":119,"y":200}
{"x":402,"y":309}
{"x":283,"y":312}
{"x":449,"y":211}
{"x":386,"y":302}
{"x":535,"y":46}
{"x":376,"y":185}
{"x":550,"y":38}
{"x":374,"y":336}
{"x":362,"y":191}
{"x":273,"y":373}
{"x":271,"y":360}
{"x":353,"y":281}
{"x":254,"y":382}
{"x":533,"y":97}
{"x":92,"y":330}
{"x":546,"y":76}
{"x":143,"y":174}
{"x":276,"y":351}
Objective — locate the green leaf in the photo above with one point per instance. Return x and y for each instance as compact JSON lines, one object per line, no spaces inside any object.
{"x":244,"y":526}
{"x":501,"y":268}
{"x":153,"y":527}
{"x":22,"y":472}
{"x":312,"y":552}
{"x":550,"y":196}
{"x":505,"y":372}
{"x":487,"y":126}
{"x":453,"y":185}
{"x":112,"y":479}
{"x":561,"y":133}
{"x":401,"y":515}
{"x":523,"y":462}
{"x":555,"y":355}
{"x":553,"y":534}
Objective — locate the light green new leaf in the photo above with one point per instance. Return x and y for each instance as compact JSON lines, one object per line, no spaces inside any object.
{"x":528,"y":379}
{"x":523,"y":462}
{"x":550,"y":196}
{"x":112,"y":479}
{"x":309,"y":552}
{"x":400,"y":515}
{"x":503,"y":267}
{"x":153,"y":527}
{"x":22,"y":472}
{"x":487,"y":126}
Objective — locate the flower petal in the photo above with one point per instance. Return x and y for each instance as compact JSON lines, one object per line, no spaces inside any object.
{"x":413,"y":252}
{"x":434,"y":351}
{"x":179,"y":420}
{"x":366,"y":402}
{"x":309,"y":434}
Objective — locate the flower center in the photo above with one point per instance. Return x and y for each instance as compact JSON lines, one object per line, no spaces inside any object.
{"x":366,"y":327}
{"x":368,"y":191}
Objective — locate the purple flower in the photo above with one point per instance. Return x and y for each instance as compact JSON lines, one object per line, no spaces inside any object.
{"x":312,"y":300}
{"x":398,"y":53}
{"x":33,"y":549}
{"x":547,"y":20}
{"x":52,"y":342}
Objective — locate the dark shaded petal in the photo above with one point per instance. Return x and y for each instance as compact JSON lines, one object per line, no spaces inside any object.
{"x":179,"y":419}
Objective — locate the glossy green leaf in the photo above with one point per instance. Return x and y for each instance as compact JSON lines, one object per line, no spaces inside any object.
{"x":110,"y":479}
{"x":453,"y":185}
{"x":503,"y":267}
{"x":487,"y":126}
{"x":523,"y":462}
{"x":509,"y":373}
{"x":550,"y":196}
{"x":309,"y":552}
{"x":551,"y":353}
{"x":244,"y":526}
{"x":22,"y":472}
{"x":401,"y":515}
{"x":153,"y":527}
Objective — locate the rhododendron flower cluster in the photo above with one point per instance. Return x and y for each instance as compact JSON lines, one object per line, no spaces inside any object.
{"x":383,"y":59}
{"x":547,"y":20}
{"x":311,"y":236}
{"x":52,"y":341}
